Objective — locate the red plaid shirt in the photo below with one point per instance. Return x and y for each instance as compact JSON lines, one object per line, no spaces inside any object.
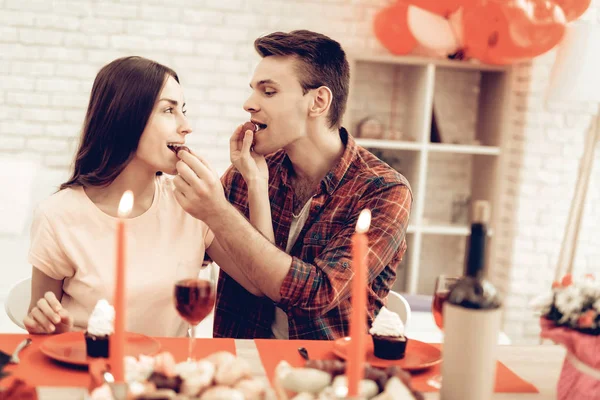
{"x":316,"y":291}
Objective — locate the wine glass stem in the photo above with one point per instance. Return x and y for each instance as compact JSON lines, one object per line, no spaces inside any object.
{"x":191,"y":342}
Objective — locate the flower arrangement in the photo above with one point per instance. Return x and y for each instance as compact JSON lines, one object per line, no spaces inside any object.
{"x":573,"y":304}
{"x":570,"y":316}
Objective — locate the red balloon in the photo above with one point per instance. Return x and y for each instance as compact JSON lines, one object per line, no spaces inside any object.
{"x":573,"y":8}
{"x":391,"y":29}
{"x":502,"y":32}
{"x":442,"y":7}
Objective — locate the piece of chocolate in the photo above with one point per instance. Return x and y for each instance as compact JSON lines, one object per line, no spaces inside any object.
{"x":176,"y":148}
{"x":164,"y":382}
{"x":249,"y":126}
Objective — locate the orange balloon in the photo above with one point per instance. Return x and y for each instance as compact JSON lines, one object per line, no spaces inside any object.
{"x":573,"y":8}
{"x":537,"y":28}
{"x":442,"y":7}
{"x":503,"y":32}
{"x":391,"y":29}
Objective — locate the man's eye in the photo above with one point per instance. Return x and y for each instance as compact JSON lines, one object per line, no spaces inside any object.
{"x":269,"y":93}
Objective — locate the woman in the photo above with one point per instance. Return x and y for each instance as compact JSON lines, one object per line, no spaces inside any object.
{"x":136,"y":110}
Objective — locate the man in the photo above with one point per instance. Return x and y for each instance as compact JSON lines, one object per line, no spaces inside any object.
{"x":319,"y":181}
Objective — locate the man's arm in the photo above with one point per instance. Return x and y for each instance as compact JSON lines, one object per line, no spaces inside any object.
{"x":311,"y":288}
{"x":226,"y":263}
{"x":256,"y":258}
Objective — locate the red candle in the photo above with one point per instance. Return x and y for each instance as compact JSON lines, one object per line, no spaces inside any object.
{"x":117,"y":340}
{"x":358,"y":319}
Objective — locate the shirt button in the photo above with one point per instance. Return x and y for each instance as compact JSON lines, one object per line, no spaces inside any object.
{"x":316,"y":236}
{"x":318,"y":208}
{"x":345,"y":264}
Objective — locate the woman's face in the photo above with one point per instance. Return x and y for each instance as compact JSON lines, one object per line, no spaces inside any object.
{"x":167,"y":124}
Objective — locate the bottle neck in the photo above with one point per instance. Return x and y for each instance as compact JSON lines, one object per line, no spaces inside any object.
{"x":475,"y":265}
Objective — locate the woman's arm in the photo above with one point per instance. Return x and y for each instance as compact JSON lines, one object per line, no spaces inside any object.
{"x":46,"y":314}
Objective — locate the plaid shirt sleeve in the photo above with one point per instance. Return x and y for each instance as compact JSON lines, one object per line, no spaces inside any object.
{"x":312,"y":290}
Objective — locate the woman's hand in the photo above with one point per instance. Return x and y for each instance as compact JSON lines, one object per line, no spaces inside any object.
{"x":48,"y":316}
{"x":251,"y":165}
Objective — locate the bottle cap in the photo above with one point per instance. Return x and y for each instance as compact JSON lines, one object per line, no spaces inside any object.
{"x":481,"y":212}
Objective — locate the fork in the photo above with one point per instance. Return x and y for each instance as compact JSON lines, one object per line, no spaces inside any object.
{"x":14,"y":358}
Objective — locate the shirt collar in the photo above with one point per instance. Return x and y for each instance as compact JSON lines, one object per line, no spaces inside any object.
{"x":333,"y":178}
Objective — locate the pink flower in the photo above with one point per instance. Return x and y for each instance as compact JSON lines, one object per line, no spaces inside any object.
{"x":587,"y":319}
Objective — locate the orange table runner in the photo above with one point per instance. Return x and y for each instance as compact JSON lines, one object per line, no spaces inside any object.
{"x":273,"y":351}
{"x":39,"y":370}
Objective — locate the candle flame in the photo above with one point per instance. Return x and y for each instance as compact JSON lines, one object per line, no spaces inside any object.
{"x":126,"y":204}
{"x":364,"y":221}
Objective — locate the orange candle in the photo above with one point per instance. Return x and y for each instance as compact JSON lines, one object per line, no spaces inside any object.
{"x":358,"y":319}
{"x":117,"y":340}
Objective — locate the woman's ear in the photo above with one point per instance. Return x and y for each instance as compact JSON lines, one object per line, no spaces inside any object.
{"x":322,"y":98}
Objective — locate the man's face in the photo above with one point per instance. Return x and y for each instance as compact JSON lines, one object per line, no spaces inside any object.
{"x":277,"y":104}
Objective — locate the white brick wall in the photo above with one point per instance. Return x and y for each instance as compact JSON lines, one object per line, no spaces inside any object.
{"x":51,"y":51}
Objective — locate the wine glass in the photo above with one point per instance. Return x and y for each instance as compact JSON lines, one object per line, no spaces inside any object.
{"x":195,"y":299}
{"x":443,"y":285}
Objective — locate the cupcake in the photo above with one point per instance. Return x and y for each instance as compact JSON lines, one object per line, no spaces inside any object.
{"x":387,"y":331}
{"x":100,"y":327}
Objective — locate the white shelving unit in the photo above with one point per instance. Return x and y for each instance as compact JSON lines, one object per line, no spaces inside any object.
{"x":402,"y":91}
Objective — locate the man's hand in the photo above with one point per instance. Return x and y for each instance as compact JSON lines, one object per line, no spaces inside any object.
{"x":251,"y":165}
{"x":48,"y":316}
{"x":198,"y":188}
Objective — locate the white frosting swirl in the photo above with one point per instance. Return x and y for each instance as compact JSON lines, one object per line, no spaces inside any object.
{"x":102,"y":320}
{"x":387,"y":323}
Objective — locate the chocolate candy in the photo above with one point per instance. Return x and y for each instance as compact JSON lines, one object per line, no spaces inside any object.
{"x":164,"y":382}
{"x":175,"y":148}
{"x":249,"y":126}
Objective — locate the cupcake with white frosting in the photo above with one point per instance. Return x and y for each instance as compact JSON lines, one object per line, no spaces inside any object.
{"x":100,"y":327}
{"x":387,"y":331}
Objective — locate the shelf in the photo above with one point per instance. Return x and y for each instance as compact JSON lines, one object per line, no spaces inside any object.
{"x":423,"y":61}
{"x":463,"y":149}
{"x":432,"y":147}
{"x":443,"y":229}
{"x":389,"y":144}
{"x":456,"y":230}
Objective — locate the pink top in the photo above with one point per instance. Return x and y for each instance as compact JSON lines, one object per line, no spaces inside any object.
{"x":72,"y":239}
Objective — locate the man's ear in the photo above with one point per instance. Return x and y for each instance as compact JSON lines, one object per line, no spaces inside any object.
{"x":321,"y":101}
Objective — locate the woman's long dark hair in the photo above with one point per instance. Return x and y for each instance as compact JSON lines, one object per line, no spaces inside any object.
{"x":121,"y":102}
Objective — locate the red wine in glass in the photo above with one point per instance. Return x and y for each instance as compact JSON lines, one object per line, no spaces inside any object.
{"x":438,"y":305}
{"x":443,"y":285}
{"x":194,"y":299}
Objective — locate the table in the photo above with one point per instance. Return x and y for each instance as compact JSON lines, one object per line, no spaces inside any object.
{"x":540,"y":365}
{"x":422,"y":327}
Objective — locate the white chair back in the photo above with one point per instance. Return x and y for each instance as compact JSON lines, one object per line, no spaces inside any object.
{"x":398,"y":304}
{"x":17,"y":302}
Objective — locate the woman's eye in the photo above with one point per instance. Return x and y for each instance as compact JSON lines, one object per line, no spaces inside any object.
{"x":184,"y":112}
{"x":169,"y":110}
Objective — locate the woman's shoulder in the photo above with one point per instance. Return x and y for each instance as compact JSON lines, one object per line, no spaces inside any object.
{"x":61,"y":201}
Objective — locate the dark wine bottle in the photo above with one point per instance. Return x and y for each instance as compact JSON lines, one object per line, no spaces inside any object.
{"x":472,"y":290}
{"x":472,"y":319}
